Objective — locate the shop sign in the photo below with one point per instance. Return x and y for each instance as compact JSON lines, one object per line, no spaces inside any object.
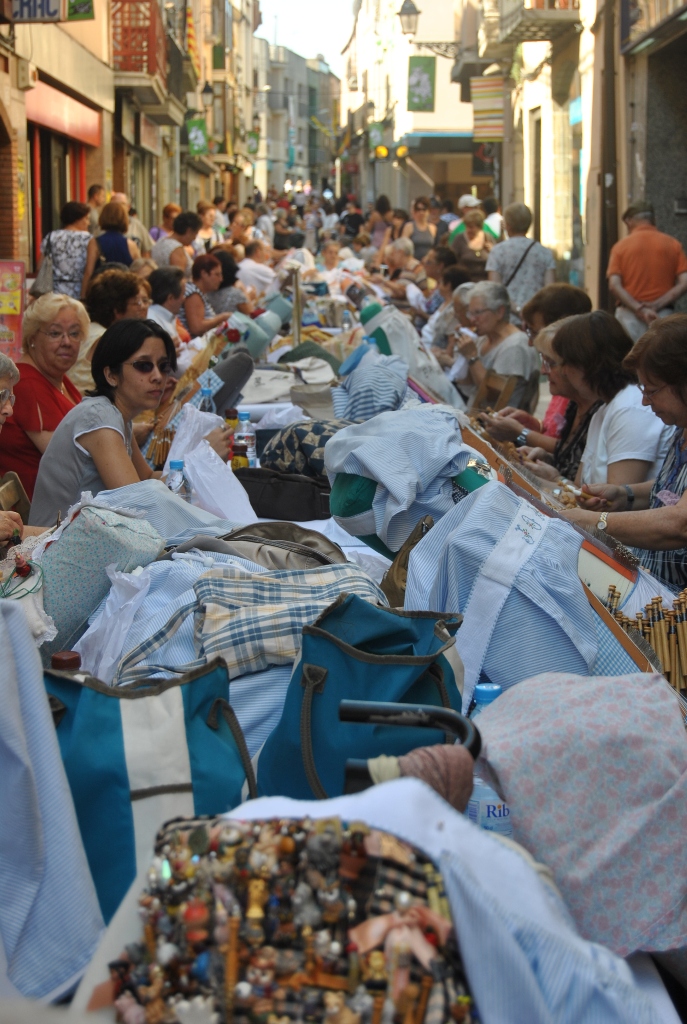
{"x":197,"y":136}
{"x":487,"y":108}
{"x":149,"y":135}
{"x":11,"y":307}
{"x":24,"y":11}
{"x":252,"y":143}
{"x":421,"y":83}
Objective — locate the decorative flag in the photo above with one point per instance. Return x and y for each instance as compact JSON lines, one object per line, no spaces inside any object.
{"x":487,"y":107}
{"x":192,"y":42}
{"x":421,"y":82}
{"x":375,"y":134}
{"x":197,"y":130}
{"x":252,"y":143}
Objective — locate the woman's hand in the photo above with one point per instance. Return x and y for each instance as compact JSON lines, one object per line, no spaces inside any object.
{"x":532,"y":454}
{"x":527,"y":421}
{"x":543,"y":469}
{"x":9,"y":523}
{"x":603,"y":498}
{"x":220,"y":439}
{"x":467,"y":346}
{"x":501,"y":428}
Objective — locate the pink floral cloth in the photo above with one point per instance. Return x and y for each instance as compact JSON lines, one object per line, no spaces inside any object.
{"x":595,"y":773}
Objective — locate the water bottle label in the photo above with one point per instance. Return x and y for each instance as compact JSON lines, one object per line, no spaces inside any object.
{"x":491,"y":815}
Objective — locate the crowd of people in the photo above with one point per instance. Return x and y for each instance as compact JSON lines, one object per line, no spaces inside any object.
{"x":102,"y":347}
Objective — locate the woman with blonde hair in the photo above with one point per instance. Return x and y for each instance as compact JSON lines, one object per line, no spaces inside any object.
{"x":112,"y":246}
{"x":52,"y":331}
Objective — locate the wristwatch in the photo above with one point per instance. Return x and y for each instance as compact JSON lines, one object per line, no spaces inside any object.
{"x":521,"y":439}
{"x":602,"y":523}
{"x":630,"y":495}
{"x":475,"y":359}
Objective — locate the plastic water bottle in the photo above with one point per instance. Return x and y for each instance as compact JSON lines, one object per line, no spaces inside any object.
{"x":207,"y":403}
{"x":346,"y":320}
{"x":245,"y":434}
{"x":484,"y":694}
{"x":176,"y":480}
{"x":486,"y":808}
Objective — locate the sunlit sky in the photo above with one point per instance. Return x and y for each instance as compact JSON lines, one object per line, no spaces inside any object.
{"x":309,"y":27}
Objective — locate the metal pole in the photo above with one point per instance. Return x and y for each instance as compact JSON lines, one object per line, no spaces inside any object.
{"x":609,"y":158}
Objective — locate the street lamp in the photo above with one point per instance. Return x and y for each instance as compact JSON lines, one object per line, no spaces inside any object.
{"x":207,"y":95}
{"x":409,"y":15}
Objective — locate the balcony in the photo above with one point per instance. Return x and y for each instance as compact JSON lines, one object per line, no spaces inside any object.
{"x":278,"y":102}
{"x":536,"y":20}
{"x":139,"y":51}
{"x":489,"y":46}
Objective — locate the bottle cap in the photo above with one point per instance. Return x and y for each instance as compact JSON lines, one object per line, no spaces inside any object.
{"x":244,"y":415}
{"x":66,"y":661}
{"x":206,"y":391}
{"x":485,"y":693}
{"x":176,"y":464}
{"x":231,"y":414}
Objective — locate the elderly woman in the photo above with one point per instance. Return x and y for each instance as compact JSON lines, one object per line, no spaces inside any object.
{"x":499,"y":345}
{"x":652,"y":515}
{"x":196,"y":313}
{"x":442,"y":324}
{"x":404,"y":269}
{"x":472,"y":246}
{"x":52,"y":331}
{"x":10,"y":522}
{"x":94,"y":448}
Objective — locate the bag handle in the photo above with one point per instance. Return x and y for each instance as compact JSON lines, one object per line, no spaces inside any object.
{"x":129,"y":671}
{"x":223,"y":707}
{"x":521,"y":261}
{"x":313,"y":678}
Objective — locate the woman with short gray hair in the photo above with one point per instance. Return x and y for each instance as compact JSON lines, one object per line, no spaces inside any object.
{"x":500,"y":346}
{"x":520,"y":263}
{"x":404,"y":269}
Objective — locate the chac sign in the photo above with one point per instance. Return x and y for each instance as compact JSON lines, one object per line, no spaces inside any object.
{"x":24,"y":11}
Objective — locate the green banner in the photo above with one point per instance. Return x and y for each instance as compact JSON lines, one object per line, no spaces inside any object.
{"x":197,"y":136}
{"x":80,"y":10}
{"x":252,"y":143}
{"x":421,"y":83}
{"x":375,"y":133}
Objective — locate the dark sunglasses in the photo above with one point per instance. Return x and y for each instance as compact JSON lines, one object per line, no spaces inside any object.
{"x":147,"y":366}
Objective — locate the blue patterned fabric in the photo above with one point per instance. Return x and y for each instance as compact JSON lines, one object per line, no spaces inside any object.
{"x":546,"y":623}
{"x":378,"y":384}
{"x":413,"y":455}
{"x":50,"y":922}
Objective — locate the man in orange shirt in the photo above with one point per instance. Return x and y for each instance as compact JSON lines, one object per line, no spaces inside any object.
{"x":647,"y":271}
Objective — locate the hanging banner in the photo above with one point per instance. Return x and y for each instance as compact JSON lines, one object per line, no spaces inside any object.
{"x":80,"y":10}
{"x":192,"y":42}
{"x":421,"y":83}
{"x":11,"y":307}
{"x":375,"y":134}
{"x":252,"y":143}
{"x":197,"y":136}
{"x":487,"y":107}
{"x":27,"y":11}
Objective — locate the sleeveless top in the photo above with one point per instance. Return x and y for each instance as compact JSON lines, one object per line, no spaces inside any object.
{"x":192,"y":289}
{"x":378,"y":233}
{"x":114,"y":248}
{"x":164,"y":248}
{"x":423,"y":242}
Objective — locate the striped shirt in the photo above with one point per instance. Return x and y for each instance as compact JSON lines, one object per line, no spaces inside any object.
{"x":192,"y":289}
{"x":669,"y":566}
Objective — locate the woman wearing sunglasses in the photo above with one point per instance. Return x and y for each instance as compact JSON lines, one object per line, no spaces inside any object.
{"x":652,"y":516}
{"x":94,"y":448}
{"x":53,"y":328}
{"x":419,"y":230}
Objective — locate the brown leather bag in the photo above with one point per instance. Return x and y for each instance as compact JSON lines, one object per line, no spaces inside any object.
{"x":395,"y":577}
{"x":274,"y":545}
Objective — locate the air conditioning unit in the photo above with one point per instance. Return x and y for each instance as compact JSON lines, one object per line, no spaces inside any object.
{"x":27,"y":75}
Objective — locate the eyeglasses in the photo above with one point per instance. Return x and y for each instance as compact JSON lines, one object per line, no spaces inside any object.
{"x":477,"y":312}
{"x":7,"y":396}
{"x":650,"y":392}
{"x":549,"y":364}
{"x":139,"y":303}
{"x":147,"y":366}
{"x":55,"y":334}
{"x":421,"y":209}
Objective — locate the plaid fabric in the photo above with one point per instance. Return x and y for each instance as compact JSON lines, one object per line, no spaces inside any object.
{"x":299,"y":448}
{"x":251,"y":620}
{"x":392,"y":880}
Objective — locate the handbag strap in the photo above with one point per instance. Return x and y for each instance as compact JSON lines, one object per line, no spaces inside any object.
{"x":223,"y":707}
{"x":521,"y":261}
{"x":313,"y":678}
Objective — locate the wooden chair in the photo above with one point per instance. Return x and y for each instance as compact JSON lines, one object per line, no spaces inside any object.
{"x":494,"y":392}
{"x":13,"y":497}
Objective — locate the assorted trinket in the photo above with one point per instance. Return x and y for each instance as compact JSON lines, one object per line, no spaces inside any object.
{"x":291,"y":922}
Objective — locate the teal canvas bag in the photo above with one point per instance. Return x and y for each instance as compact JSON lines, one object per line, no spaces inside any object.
{"x":137,"y":756}
{"x":357,"y":650}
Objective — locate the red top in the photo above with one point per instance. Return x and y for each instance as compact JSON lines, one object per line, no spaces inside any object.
{"x":39,"y":406}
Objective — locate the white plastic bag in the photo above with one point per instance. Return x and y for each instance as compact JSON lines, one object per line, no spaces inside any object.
{"x":101,"y":645}
{"x":281,"y":416}
{"x":216,"y":488}
{"x":194,"y":426}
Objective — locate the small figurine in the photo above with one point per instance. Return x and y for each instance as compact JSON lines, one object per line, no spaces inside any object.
{"x":306,"y":911}
{"x":129,"y":1011}
{"x":336,"y":1011}
{"x":374,"y":970}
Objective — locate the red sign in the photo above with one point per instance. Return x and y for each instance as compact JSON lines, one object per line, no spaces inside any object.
{"x":54,"y":109}
{"x":11,"y":307}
